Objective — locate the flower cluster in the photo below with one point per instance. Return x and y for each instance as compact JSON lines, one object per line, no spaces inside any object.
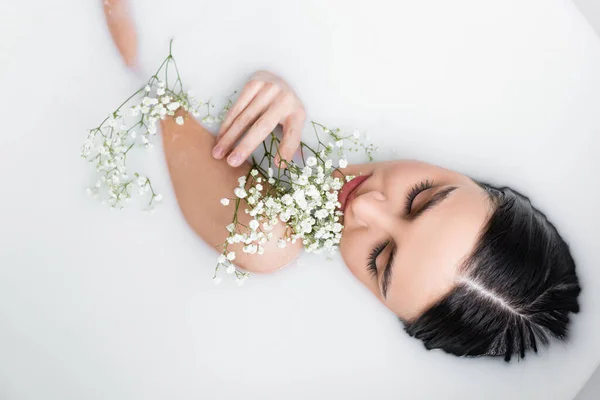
{"x":132,"y":126}
{"x":303,"y":196}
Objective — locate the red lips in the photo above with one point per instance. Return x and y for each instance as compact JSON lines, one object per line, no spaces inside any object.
{"x":349,"y":189}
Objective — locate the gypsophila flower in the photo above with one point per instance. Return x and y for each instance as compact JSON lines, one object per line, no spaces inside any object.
{"x":240,"y":192}
{"x":303,"y":196}
{"x":130,"y":127}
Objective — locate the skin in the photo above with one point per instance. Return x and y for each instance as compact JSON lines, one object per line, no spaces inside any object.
{"x":122,"y":30}
{"x":265,"y":102}
{"x":427,"y":250}
{"x":200,"y":181}
{"x":430,"y":248}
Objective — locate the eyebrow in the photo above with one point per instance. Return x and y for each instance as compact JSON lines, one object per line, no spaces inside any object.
{"x":434,"y":201}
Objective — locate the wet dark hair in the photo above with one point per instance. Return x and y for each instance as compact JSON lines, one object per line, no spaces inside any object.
{"x":516,"y":291}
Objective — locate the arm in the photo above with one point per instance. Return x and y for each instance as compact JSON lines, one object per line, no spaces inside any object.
{"x":200,"y":181}
{"x":122,"y":30}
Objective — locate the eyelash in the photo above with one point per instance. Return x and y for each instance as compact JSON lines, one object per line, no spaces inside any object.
{"x":412,"y":195}
{"x":414,"y":192}
{"x":372,"y":264}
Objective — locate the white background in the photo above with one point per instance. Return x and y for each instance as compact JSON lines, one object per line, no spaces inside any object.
{"x":102,"y":305}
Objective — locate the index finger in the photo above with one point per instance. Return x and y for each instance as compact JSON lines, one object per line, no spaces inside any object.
{"x":248,"y":93}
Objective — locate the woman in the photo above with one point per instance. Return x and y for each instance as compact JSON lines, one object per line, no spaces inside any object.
{"x":468,"y":268}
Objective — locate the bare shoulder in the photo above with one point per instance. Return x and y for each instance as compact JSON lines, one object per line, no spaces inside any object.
{"x":200,"y":181}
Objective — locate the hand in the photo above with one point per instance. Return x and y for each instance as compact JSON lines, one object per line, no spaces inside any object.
{"x":266,"y":101}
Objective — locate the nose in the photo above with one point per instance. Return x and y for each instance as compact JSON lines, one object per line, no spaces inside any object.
{"x":372,"y":210}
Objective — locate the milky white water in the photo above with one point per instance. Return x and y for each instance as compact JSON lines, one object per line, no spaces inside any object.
{"x":105,"y":305}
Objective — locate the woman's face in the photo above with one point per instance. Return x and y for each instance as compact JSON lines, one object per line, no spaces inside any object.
{"x":407,"y":229}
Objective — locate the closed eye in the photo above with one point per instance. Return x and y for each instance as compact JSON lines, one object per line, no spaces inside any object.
{"x":372,"y":263}
{"x":414,"y":192}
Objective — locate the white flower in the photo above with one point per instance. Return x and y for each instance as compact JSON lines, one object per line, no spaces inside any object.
{"x":328,"y":164}
{"x":158,"y":198}
{"x":254,"y":172}
{"x":242,"y":181}
{"x":160,"y":84}
{"x":134,"y":111}
{"x":240,"y":282}
{"x":217,"y":280}
{"x":165,"y":99}
{"x":149,"y":101}
{"x":350,"y":177}
{"x":147,"y":88}
{"x":179,"y":120}
{"x":343,"y":163}
{"x":322,"y":214}
{"x":173,"y":106}
{"x":281,"y":243}
{"x":253,"y":224}
{"x":230,"y":270}
{"x":230,"y":227}
{"x":339,"y":143}
{"x":302,"y":180}
{"x":231,"y":255}
{"x":160,"y":91}
{"x":221,"y":259}
{"x":270,"y":172}
{"x":311,"y":161}
{"x":225,"y":201}
{"x":250,"y":249}
{"x":240,"y":192}
{"x":356,"y":134}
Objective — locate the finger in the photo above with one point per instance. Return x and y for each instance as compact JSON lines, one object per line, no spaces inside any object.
{"x":292,"y":133}
{"x":255,"y":135}
{"x":258,"y":105}
{"x":250,"y":90}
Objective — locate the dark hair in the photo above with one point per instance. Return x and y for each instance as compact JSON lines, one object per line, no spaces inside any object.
{"x":516,"y":291}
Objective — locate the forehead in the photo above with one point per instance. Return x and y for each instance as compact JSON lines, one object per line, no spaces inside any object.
{"x":431,"y":252}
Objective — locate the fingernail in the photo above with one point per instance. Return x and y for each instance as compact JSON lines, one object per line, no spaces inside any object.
{"x":217,"y":152}
{"x":235,"y":160}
